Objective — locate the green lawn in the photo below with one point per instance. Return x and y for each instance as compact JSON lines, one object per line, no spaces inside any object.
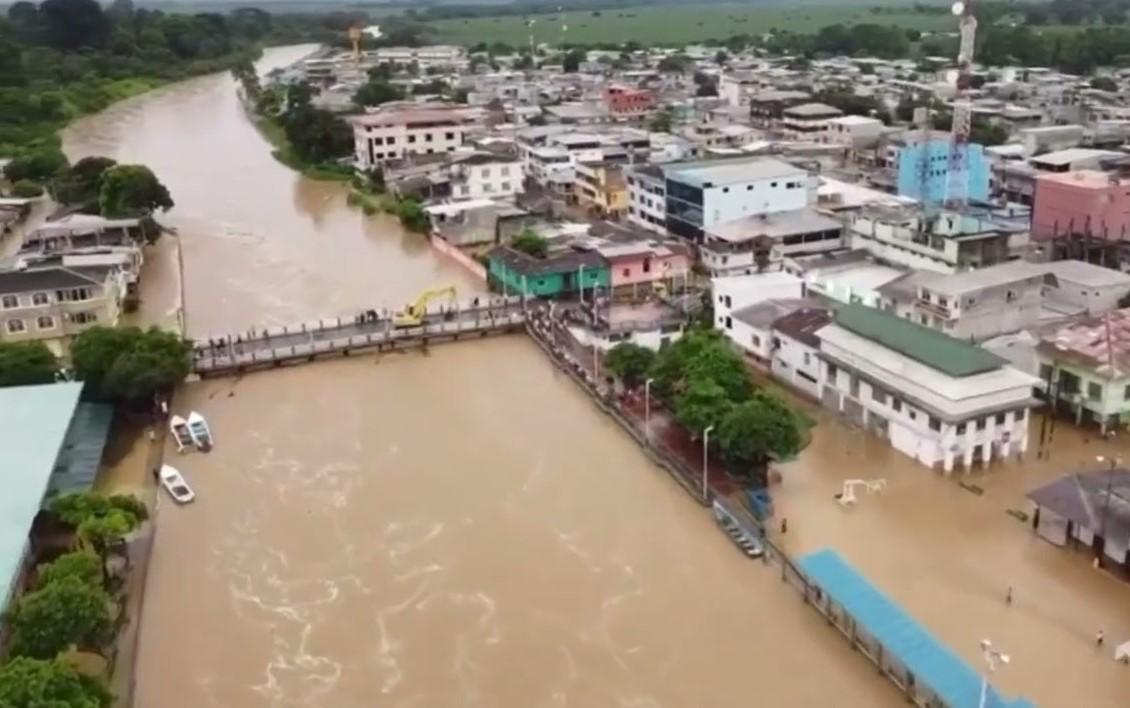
{"x":677,"y":24}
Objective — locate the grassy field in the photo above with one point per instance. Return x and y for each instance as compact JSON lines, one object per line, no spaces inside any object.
{"x":679,"y":24}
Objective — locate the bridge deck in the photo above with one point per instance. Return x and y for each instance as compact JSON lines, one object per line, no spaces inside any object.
{"x":307,"y":341}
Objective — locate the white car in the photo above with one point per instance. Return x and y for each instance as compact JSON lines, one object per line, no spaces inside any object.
{"x":174,"y":484}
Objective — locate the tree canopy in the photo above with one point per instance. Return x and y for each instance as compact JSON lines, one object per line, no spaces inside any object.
{"x":757,"y":430}
{"x":37,"y":683}
{"x":131,"y":191}
{"x":374,"y":92}
{"x":83,"y":565}
{"x":26,"y":363}
{"x":531,"y":243}
{"x":573,"y":59}
{"x":128,"y":363}
{"x":49,"y":620}
{"x":99,"y":520}
{"x":630,"y":363}
{"x":315,"y":135}
{"x":81,"y":182}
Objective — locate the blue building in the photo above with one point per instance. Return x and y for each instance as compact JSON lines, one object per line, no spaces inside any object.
{"x":931,"y":187}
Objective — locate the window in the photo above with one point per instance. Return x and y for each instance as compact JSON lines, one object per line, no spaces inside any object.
{"x":84,"y":317}
{"x":391,"y":141}
{"x":411,"y":138}
{"x":1046,"y":374}
{"x":935,"y":424}
{"x":506,"y":186}
{"x":807,"y":359}
{"x":488,"y":187}
{"x":896,"y":404}
{"x":755,"y":340}
{"x":15,"y":326}
{"x":73,"y":295}
{"x":749,"y":188}
{"x":832,"y":372}
{"x":427,"y":137}
{"x":913,"y":415}
{"x":504,"y":171}
{"x":961,"y":428}
{"x":980,"y":423}
{"x":1000,"y":418}
{"x":1094,"y":391}
{"x":772,"y":184}
{"x":465,"y":190}
{"x":729,"y":323}
{"x":10,"y":302}
{"x":449,"y":136}
{"x":725,"y":190}
{"x":1126,"y":393}
{"x":627,"y":272}
{"x":486,"y":173}
{"x":378,"y":141}
{"x":877,"y":393}
{"x":45,"y":322}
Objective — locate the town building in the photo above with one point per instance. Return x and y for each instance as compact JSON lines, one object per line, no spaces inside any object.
{"x":562,"y":274}
{"x":768,"y":107}
{"x":808,"y":122}
{"x":754,"y":244}
{"x":854,"y":132}
{"x":642,"y":267}
{"x":924,"y":167}
{"x":1089,"y":511}
{"x":937,"y":399}
{"x":647,"y":197}
{"x":601,"y":190}
{"x":844,"y":276}
{"x":1081,"y":204}
{"x":732,"y":293}
{"x":796,"y":348}
{"x":53,"y":304}
{"x":628,"y":102}
{"x":1087,"y":362}
{"x":701,"y":195}
{"x":750,"y":328}
{"x":52,"y":444}
{"x":486,"y":175}
{"x":392,"y":134}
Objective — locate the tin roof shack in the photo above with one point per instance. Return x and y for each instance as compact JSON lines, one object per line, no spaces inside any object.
{"x":1087,"y":362}
{"x":563,"y":274}
{"x":1089,"y":509}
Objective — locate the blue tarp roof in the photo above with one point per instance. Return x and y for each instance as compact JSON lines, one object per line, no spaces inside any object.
{"x":933,"y":664}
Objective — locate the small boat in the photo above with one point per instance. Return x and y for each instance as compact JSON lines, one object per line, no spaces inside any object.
{"x":178,"y":427}
{"x":174,"y":484}
{"x":198,"y":429}
{"x":746,"y":541}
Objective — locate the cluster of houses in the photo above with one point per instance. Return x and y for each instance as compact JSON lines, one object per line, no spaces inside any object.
{"x":836,"y":259}
{"x":67,"y":275}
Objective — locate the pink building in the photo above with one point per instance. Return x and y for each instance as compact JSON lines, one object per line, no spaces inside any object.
{"x":1081,"y":202}
{"x":628,"y":101}
{"x":646,"y":263}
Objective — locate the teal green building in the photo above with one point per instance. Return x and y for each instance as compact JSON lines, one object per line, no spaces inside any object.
{"x":558,"y":275}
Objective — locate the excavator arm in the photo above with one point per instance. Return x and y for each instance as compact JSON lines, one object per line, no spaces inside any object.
{"x":413,"y":315}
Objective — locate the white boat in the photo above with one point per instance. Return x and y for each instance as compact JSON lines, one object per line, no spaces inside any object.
{"x":178,"y":427}
{"x":174,"y":484}
{"x":198,"y":429}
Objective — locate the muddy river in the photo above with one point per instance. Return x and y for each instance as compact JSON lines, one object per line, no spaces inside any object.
{"x":458,"y":528}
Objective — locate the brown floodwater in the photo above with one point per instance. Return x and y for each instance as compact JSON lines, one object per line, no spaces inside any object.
{"x":456,"y":528}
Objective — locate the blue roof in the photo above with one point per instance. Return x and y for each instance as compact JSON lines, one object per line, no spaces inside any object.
{"x":933,"y":664}
{"x":33,"y":425}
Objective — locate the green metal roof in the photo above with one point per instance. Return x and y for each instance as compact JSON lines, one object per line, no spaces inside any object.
{"x":77,"y":464}
{"x":33,"y":424}
{"x":935,"y":349}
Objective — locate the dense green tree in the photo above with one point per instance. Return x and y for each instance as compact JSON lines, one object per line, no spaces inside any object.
{"x":37,"y":166}
{"x":573,"y":59}
{"x":531,"y":243}
{"x":413,"y":217}
{"x":674,"y":64}
{"x":26,"y":189}
{"x":703,"y":404}
{"x":49,"y":620}
{"x":74,"y":24}
{"x":128,"y":363}
{"x":81,"y":182}
{"x":26,"y":364}
{"x":99,"y":521}
{"x":315,"y":135}
{"x":662,"y":121}
{"x":131,"y":191}
{"x":1104,"y":83}
{"x":758,"y":430}
{"x":84,"y":565}
{"x":36,"y":683}
{"x":375,"y":92}
{"x":703,"y":353}
{"x":630,"y":363}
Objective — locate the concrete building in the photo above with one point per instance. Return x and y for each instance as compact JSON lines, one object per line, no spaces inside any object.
{"x":562,"y":274}
{"x":54,"y":304}
{"x":601,"y":190}
{"x":1087,"y":361}
{"x":647,"y":197}
{"x":758,"y":243}
{"x":701,"y":195}
{"x":808,"y":122}
{"x":937,"y":399}
{"x":642,"y":265}
{"x":392,"y":134}
{"x":1088,"y":511}
{"x":854,"y":132}
{"x":768,"y":107}
{"x":487,"y":175}
{"x":732,"y":293}
{"x":628,"y":101}
{"x":923,"y":171}
{"x":1082,"y":203}
{"x":844,"y":276}
{"x":1090,"y":288}
{"x":796,"y":348}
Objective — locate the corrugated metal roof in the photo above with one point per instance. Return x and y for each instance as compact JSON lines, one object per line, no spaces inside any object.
{"x":77,"y":464}
{"x":33,"y":424}
{"x":935,"y":349}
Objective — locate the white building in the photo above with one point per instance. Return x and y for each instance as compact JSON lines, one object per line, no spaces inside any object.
{"x":847,"y":276}
{"x":391,"y":135}
{"x":647,"y":198}
{"x":809,"y":122}
{"x":796,"y":348}
{"x":758,"y":243}
{"x":551,"y":168}
{"x":484,"y":175}
{"x":854,"y":132}
{"x":740,"y":291}
{"x":702,"y":195}
{"x":937,"y":399}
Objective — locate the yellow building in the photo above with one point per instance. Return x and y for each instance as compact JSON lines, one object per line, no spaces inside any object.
{"x":601,"y":189}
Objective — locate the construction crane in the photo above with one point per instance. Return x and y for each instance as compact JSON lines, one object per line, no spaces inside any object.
{"x":847,"y":496}
{"x":957,"y":178}
{"x":413,"y":315}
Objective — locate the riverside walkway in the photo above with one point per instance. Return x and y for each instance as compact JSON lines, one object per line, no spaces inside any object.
{"x":235,"y":353}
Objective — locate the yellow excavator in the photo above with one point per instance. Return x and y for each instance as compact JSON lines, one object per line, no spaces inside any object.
{"x":413,"y":315}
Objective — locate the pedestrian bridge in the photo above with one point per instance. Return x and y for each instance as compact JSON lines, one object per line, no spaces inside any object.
{"x":235,"y":353}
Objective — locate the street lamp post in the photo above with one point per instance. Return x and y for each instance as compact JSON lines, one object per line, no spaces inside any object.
{"x":647,"y":408}
{"x":581,"y":282}
{"x":992,"y":658}
{"x":705,"y":458}
{"x":1114,"y":462}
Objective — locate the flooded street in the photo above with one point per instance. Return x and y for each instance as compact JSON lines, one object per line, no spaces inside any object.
{"x":456,"y":528}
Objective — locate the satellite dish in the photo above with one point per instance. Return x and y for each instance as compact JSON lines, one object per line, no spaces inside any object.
{"x":958,"y":8}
